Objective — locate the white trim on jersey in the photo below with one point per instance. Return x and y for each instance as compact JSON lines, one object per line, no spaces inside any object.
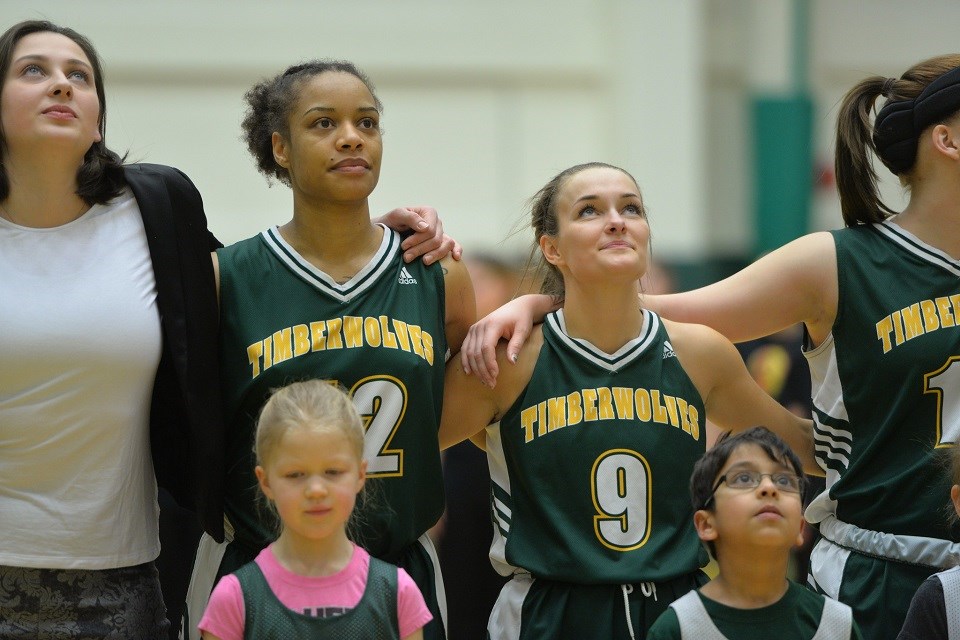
{"x":914,"y":550}
{"x":500,"y":511}
{"x":506,"y":619}
{"x":950,"y":580}
{"x":833,"y":443}
{"x":918,"y":247}
{"x":356,"y":285}
{"x":827,"y":562}
{"x":609,"y":361}
{"x":825,"y":379}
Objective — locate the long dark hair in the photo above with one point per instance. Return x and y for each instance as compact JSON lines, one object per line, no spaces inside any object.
{"x":857,"y":186}
{"x":100,"y":177}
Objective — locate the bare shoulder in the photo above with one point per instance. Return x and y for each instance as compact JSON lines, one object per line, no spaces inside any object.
{"x":704,"y":353}
{"x":694,"y":339}
{"x":453,"y":267}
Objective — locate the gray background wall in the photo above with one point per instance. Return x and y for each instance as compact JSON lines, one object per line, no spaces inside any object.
{"x":484,"y":101}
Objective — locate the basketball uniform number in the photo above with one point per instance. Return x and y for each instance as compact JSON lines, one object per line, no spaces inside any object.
{"x":945,"y":383}
{"x":621,"y":496}
{"x":381,"y":402}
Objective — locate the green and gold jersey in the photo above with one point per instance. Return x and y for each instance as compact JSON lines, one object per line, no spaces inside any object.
{"x":886,"y":385}
{"x":591,"y":465}
{"x":380,"y":335}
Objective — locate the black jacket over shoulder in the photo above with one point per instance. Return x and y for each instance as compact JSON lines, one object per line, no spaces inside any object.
{"x":186,"y":427}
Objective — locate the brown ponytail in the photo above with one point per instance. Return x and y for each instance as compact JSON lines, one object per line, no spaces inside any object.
{"x":860,"y":200}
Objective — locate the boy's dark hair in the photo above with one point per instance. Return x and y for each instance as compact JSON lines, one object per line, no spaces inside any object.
{"x":705,"y":472}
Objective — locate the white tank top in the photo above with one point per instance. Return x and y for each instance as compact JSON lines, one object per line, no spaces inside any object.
{"x":80,"y":344}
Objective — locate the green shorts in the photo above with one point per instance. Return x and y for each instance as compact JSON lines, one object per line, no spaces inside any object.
{"x":877,"y":589}
{"x":534,"y":609}
{"x":421,"y":562}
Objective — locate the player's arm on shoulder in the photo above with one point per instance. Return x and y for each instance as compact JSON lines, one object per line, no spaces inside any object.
{"x":416,"y":635}
{"x":732,"y":398}
{"x":461,"y":305}
{"x":469,"y":405}
{"x":792,"y":284}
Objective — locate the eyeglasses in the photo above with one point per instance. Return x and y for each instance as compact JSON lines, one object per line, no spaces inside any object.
{"x":740,"y":480}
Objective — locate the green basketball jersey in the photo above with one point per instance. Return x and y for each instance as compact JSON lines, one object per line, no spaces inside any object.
{"x":591,"y":465}
{"x":267,"y":618}
{"x":886,"y":384}
{"x":380,"y":335}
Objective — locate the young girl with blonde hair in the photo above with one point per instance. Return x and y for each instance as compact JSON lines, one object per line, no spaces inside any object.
{"x":313,"y":582}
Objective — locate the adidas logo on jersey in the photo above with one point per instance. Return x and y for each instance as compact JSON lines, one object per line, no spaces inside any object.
{"x":668,"y":351}
{"x":405,"y":277}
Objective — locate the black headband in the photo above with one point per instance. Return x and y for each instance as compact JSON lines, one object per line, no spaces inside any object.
{"x":899,"y":123}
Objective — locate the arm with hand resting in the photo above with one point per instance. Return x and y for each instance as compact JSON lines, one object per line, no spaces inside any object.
{"x":469,"y":405}
{"x":513,"y":321}
{"x":795,"y":283}
{"x":428,"y":239}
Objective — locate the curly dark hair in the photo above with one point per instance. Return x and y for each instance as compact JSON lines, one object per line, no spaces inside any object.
{"x":268,"y":108}
{"x":100,"y":177}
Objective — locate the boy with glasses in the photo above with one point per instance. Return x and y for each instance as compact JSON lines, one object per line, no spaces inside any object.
{"x":747,"y":492}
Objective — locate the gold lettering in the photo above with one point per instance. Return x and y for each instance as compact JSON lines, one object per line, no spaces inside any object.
{"x":694,"y":416}
{"x":353,"y":331}
{"x":528,"y":417}
{"x":671,"y":403}
{"x":641,"y":398}
{"x":682,"y":409}
{"x":912,"y":322}
{"x":605,"y":403}
{"x":282,"y":349}
{"x":318,"y":335}
{"x":623,"y":400}
{"x":541,"y":418}
{"x":389,"y":340}
{"x":574,"y":408}
{"x":884,"y":329}
{"x":254,"y":352}
{"x":301,"y":339}
{"x":415,"y":332}
{"x":589,"y":404}
{"x":930,"y":320}
{"x":267,"y":353}
{"x":401,"y":328}
{"x":427,"y":340}
{"x":371,"y":331}
{"x":557,"y":412}
{"x":659,"y":411}
{"x":897,"y":328}
{"x":334,"y":339}
{"x":946,"y":315}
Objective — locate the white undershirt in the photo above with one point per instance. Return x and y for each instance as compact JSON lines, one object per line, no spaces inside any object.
{"x":79,"y":348}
